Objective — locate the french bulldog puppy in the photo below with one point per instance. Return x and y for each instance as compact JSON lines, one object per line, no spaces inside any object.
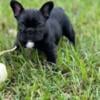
{"x":42,"y":28}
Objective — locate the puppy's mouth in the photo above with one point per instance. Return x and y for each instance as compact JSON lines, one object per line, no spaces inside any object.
{"x":30,"y":44}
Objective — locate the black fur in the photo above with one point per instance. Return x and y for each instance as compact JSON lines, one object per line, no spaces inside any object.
{"x":44,"y":27}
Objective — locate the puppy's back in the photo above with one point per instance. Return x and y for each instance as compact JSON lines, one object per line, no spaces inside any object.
{"x":58,"y":14}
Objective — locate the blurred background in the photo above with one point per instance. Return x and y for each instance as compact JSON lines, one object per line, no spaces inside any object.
{"x":30,"y":79}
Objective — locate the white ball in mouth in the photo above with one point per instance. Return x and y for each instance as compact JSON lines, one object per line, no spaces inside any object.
{"x":30,"y":44}
{"x":3,"y":73}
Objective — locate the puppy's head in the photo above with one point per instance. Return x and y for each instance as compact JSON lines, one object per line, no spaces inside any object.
{"x":31,"y":22}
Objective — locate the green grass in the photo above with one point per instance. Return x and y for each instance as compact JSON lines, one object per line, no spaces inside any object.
{"x":78,"y":70}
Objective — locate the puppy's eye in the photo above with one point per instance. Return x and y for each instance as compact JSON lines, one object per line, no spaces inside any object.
{"x":22,"y":24}
{"x":21,"y":27}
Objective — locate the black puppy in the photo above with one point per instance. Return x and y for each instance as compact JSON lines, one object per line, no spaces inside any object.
{"x":42,"y":28}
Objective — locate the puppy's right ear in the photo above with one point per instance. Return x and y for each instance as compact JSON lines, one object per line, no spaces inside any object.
{"x":17,"y":8}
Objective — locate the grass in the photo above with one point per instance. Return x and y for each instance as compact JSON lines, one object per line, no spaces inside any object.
{"x":77,"y":74}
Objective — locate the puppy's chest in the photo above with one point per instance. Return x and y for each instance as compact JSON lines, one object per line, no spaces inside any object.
{"x":40,"y":46}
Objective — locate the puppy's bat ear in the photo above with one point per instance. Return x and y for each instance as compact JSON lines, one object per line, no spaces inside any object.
{"x":17,"y":8}
{"x":47,"y":8}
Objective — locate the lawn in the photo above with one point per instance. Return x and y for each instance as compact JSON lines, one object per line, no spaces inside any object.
{"x":76,"y":76}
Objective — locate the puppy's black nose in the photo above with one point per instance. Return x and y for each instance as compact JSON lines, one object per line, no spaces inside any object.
{"x":30,"y":30}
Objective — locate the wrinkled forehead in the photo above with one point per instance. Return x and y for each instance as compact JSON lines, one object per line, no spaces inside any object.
{"x":30,"y":16}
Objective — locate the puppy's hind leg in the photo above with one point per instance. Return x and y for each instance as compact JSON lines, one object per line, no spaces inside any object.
{"x":69,"y":32}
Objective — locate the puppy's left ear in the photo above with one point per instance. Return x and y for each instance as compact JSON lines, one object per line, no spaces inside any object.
{"x":47,"y":8}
